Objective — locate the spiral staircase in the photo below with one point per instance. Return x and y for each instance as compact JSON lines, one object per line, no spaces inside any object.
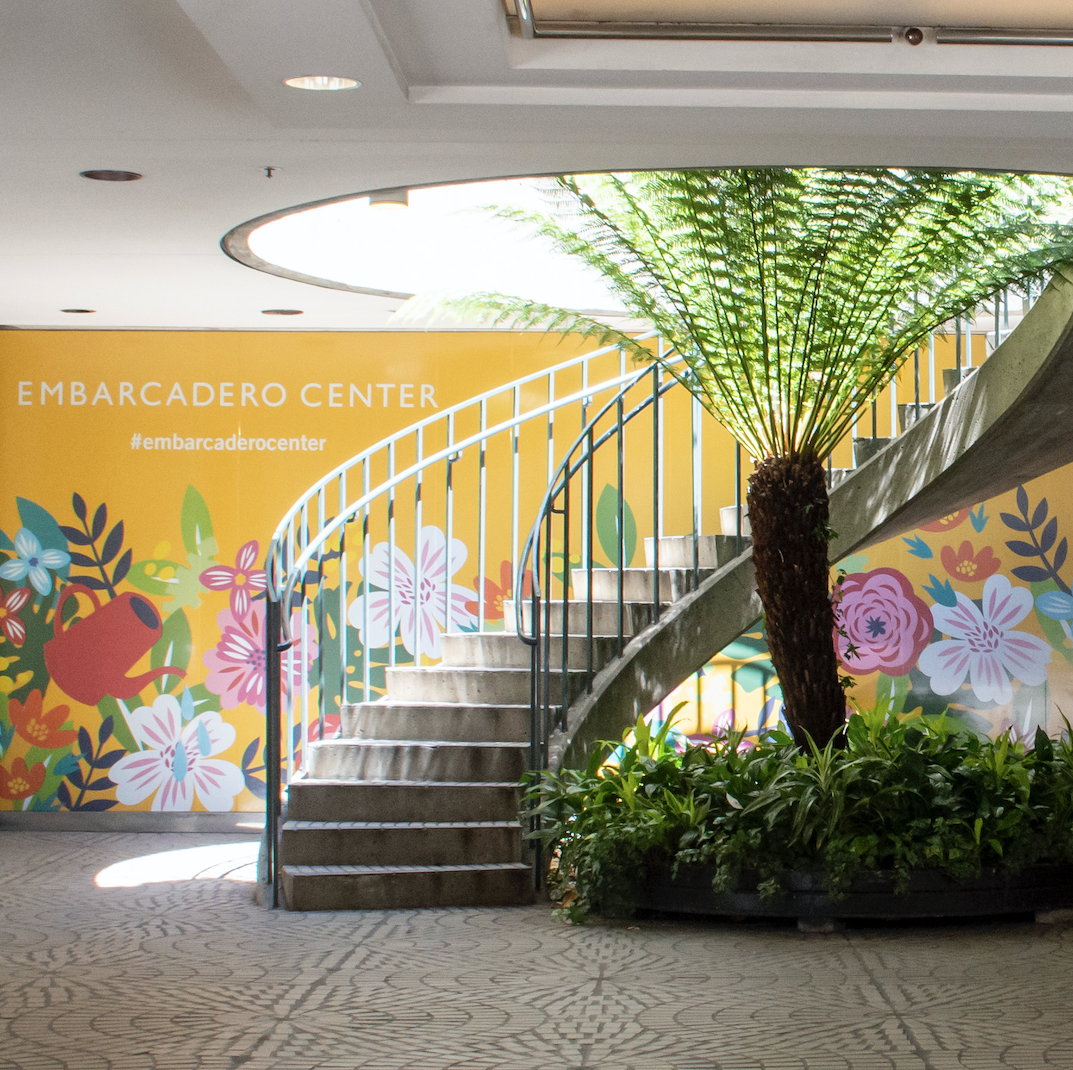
{"x":414,"y":802}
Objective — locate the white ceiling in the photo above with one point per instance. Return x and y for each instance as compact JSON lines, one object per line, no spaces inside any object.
{"x":190,"y":94}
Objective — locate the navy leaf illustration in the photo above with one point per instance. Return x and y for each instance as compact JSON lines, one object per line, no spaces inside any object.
{"x":250,"y":752}
{"x":106,"y":761}
{"x":1022,"y":500}
{"x":1040,"y":514}
{"x":78,"y":504}
{"x":122,"y":567}
{"x":102,"y":783}
{"x":1049,"y":534}
{"x":1060,"y":554}
{"x":85,"y":744}
{"x":75,"y":777}
{"x":1014,"y":522}
{"x":1023,"y":549}
{"x":98,"y":804}
{"x":92,"y":582}
{"x":73,"y":535}
{"x":1031,"y":573}
{"x":82,"y":560}
{"x":255,"y":786}
{"x":112,"y":544}
{"x":100,"y":518}
{"x":105,"y":731}
{"x":64,"y":796}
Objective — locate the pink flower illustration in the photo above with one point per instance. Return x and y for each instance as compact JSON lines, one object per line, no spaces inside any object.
{"x":11,"y":624}
{"x":237,"y":662}
{"x":239,"y":580}
{"x":983,"y":645}
{"x":885,"y":624}
{"x":435,"y":607}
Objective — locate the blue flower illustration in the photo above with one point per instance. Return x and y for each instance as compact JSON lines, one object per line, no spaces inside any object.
{"x":33,"y":561}
{"x":1056,"y":605}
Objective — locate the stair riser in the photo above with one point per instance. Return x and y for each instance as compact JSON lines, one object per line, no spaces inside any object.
{"x":713,"y":551}
{"x":468,"y":686}
{"x":353,"y":760}
{"x":380,"y":720}
{"x":400,"y":847}
{"x":635,"y":617}
{"x":397,"y":891}
{"x":403,"y":802}
{"x":504,"y":651}
{"x":636,"y":584}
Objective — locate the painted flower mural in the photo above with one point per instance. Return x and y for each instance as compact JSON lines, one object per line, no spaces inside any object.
{"x":240,"y":580}
{"x":38,"y":728}
{"x":18,"y":781}
{"x":948,"y":522}
{"x":33,"y":562}
{"x":177,"y":762}
{"x":11,"y":624}
{"x":881,"y":625}
{"x":413,"y":610}
{"x":983,"y":645}
{"x":237,"y":662}
{"x":966,"y":565}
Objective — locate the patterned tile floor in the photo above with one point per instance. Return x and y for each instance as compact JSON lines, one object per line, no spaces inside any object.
{"x":159,"y":972}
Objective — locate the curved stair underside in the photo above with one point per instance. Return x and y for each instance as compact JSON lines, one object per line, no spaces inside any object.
{"x":1007,"y":423}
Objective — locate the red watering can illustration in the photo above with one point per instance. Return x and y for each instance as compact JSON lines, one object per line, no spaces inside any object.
{"x":92,"y":657}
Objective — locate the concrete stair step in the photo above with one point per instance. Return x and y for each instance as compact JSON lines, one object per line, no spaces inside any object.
{"x":436,"y":720}
{"x":310,"y":799}
{"x":407,"y":760}
{"x":713,"y":551}
{"x":469,"y":685}
{"x":406,"y":887}
{"x":415,"y":843}
{"x":636,"y":583}
{"x":636,"y":616}
{"x":505,"y":650}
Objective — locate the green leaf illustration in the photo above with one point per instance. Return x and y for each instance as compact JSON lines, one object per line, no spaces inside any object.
{"x":607,"y":526}
{"x":172,"y":648}
{"x":186,"y":592}
{"x":154,"y":576}
{"x":109,"y":707}
{"x":195,"y":521}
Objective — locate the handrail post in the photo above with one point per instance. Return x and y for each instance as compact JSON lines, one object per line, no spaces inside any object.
{"x":272,"y":743}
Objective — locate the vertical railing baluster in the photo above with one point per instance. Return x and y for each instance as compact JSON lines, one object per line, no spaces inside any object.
{"x":366,"y":534}
{"x":322,"y":631}
{"x":957,"y":346}
{"x":272,"y":743}
{"x":931,"y":368}
{"x":564,"y":654}
{"x":419,"y":555}
{"x":655,"y":490}
{"x":391,"y":556}
{"x":621,"y":517}
{"x":344,"y":651}
{"x":515,"y":477}
{"x":589,"y":659}
{"x":660,"y":445}
{"x":697,"y":476}
{"x":916,"y":381}
{"x":737,"y":500}
{"x":482,"y":515}
{"x":449,"y":518}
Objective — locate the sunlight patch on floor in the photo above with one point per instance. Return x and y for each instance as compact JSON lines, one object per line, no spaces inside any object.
{"x":214,"y":861}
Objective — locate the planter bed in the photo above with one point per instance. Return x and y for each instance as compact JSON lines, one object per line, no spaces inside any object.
{"x":1039,"y":889}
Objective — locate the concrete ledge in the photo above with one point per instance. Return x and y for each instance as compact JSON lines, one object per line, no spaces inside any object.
{"x":18,"y":821}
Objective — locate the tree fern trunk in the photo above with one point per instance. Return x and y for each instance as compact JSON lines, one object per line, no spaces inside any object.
{"x":788,"y":512}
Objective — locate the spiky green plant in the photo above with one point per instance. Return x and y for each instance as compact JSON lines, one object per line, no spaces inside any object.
{"x":792,"y":297}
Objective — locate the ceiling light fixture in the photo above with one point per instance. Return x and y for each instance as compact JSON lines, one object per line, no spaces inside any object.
{"x":322,"y":82}
{"x":282,"y":311}
{"x":78,"y":311}
{"x":395,"y":197}
{"x":111,"y":176}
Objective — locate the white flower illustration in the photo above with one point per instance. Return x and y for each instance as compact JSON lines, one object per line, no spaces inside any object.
{"x":438,"y":604}
{"x":984,"y":646}
{"x":177,"y":761}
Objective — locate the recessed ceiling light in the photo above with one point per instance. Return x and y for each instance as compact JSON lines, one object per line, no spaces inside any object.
{"x":111,"y":176}
{"x":78,"y":311}
{"x":399,"y":197}
{"x":282,"y":311}
{"x":322,"y":82}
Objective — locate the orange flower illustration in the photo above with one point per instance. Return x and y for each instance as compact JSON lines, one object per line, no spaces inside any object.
{"x":18,"y":782}
{"x":969,"y":567}
{"x":948,"y":523}
{"x":496,"y":594}
{"x":37,"y":728}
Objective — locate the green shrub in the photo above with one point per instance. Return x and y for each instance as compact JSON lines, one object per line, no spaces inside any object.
{"x":899,"y":794}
